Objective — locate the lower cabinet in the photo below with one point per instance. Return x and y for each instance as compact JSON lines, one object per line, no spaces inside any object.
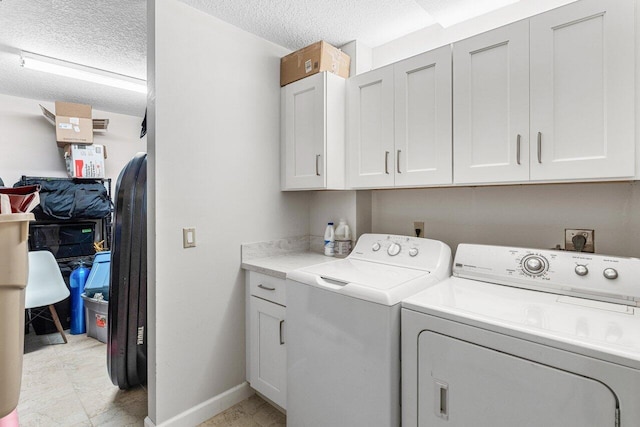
{"x":266,"y":347}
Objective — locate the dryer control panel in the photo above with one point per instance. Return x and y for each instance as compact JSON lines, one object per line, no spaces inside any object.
{"x":404,"y":251}
{"x":600,"y":277}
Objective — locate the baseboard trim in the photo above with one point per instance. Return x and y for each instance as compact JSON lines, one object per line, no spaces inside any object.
{"x":207,"y":409}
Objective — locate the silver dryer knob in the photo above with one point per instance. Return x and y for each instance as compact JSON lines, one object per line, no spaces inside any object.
{"x":610,"y":273}
{"x":394,"y":249}
{"x":581,"y":270}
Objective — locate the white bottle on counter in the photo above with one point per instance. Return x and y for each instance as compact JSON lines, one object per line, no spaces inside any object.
{"x":329,"y":240}
{"x":342,"y":230}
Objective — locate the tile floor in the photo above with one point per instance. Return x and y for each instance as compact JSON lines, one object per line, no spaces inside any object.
{"x":68,"y":385}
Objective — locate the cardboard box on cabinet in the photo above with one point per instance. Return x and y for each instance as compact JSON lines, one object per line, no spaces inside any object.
{"x":315,"y":58}
{"x":85,"y":161}
{"x":73,"y":123}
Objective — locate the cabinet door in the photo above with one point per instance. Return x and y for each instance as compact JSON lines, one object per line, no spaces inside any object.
{"x":582,"y":91}
{"x":491,"y":106}
{"x":268,"y":351}
{"x":370,"y":162}
{"x":423,"y":119}
{"x":304,"y":133}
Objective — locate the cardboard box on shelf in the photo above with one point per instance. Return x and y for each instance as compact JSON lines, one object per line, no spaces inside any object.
{"x":73,"y":123}
{"x":85,"y":161}
{"x":315,"y":58}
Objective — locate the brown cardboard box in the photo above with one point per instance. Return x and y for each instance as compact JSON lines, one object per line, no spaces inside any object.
{"x":85,"y":161}
{"x":73,"y":123}
{"x":315,"y":58}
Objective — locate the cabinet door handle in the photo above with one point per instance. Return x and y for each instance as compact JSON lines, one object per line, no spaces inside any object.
{"x":281,"y":338}
{"x":317,"y":165}
{"x":518,"y":149}
{"x":539,"y":147}
{"x":398,"y":161}
{"x":266,"y":287}
{"x":386,"y":162}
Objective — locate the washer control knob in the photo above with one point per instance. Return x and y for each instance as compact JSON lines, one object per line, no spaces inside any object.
{"x":413,"y":251}
{"x":610,"y":273}
{"x":394,"y":249}
{"x":581,"y":270}
{"x":375,"y":247}
{"x":534,"y":265}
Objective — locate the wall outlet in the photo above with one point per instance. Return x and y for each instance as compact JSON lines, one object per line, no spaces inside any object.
{"x":570,"y":234}
{"x":418,"y":228}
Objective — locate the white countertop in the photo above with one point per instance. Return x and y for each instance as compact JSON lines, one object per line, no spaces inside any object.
{"x":277,"y":257}
{"x":279,"y":265}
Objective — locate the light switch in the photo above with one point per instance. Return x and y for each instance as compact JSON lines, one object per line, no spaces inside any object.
{"x":189,"y":237}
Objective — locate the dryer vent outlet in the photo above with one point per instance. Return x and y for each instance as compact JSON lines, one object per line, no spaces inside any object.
{"x":579,"y":240}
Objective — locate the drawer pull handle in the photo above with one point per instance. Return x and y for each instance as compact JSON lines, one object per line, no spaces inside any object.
{"x":317,"y":165}
{"x":398,"y":161}
{"x":267,"y":288}
{"x":281,"y":339}
{"x":518,"y":149}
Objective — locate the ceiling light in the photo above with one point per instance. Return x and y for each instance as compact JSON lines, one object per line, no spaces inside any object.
{"x":81,"y":72}
{"x":451,"y":12}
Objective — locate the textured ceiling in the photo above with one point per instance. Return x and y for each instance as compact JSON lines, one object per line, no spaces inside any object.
{"x":298,"y":23}
{"x":108,"y":35}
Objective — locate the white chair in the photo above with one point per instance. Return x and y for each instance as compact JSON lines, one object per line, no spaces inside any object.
{"x":45,"y":287}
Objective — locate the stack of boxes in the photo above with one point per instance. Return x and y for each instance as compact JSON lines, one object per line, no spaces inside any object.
{"x":74,"y":133}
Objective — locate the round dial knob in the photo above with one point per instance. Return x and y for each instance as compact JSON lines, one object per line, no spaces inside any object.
{"x":610,"y":273}
{"x":413,"y":251}
{"x":534,"y":264}
{"x":375,"y":247}
{"x":394,"y":249}
{"x":581,"y":270}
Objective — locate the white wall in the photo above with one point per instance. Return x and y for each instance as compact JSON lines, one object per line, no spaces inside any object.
{"x":29,"y":144}
{"x":215,"y":156}
{"x":521,"y":215}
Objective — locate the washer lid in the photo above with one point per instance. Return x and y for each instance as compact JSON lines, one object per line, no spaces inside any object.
{"x":598,"y":329}
{"x":370,"y":281}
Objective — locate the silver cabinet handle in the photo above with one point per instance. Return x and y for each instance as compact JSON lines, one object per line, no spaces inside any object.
{"x":281,"y":339}
{"x":398,"y":161}
{"x":317,"y":165}
{"x":386,"y":162}
{"x":518,"y":149}
{"x":539,"y":147}
{"x":266,"y":287}
{"x":442,"y":407}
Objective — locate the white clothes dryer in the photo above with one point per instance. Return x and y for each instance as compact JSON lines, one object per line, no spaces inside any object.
{"x":343,"y":330}
{"x":524,"y":337}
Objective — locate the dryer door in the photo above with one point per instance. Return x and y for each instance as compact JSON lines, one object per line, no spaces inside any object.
{"x":462,"y":384}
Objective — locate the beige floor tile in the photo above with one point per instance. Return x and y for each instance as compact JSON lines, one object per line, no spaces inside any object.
{"x":251,"y":412}
{"x":68,"y":385}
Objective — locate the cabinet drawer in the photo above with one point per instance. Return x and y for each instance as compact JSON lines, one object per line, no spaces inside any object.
{"x":267,"y":287}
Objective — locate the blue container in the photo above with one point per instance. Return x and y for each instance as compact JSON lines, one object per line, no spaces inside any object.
{"x":77,"y":281}
{"x":98,"y":280}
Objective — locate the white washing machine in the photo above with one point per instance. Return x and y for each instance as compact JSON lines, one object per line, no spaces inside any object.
{"x":524,"y":337}
{"x":343,"y":330}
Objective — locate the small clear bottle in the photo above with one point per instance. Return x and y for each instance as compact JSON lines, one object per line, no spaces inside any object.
{"x":329,"y":240}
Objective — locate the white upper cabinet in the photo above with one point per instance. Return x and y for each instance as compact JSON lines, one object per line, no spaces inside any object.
{"x":423,"y":119}
{"x":313,"y":133}
{"x":491,"y":106}
{"x":370,"y":129}
{"x":399,"y":123}
{"x":582,"y":91}
{"x":548,"y":99}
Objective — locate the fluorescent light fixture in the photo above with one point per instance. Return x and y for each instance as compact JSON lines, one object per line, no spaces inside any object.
{"x":451,"y":12}
{"x":81,"y":72}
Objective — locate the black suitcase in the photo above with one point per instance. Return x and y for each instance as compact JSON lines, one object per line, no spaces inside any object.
{"x":127,"y":334}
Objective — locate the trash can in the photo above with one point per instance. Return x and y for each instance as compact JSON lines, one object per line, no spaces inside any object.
{"x":14,"y":269}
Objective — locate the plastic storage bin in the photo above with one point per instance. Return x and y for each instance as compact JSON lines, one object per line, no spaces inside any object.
{"x":14,"y":270}
{"x":98,"y":280}
{"x":96,"y":317}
